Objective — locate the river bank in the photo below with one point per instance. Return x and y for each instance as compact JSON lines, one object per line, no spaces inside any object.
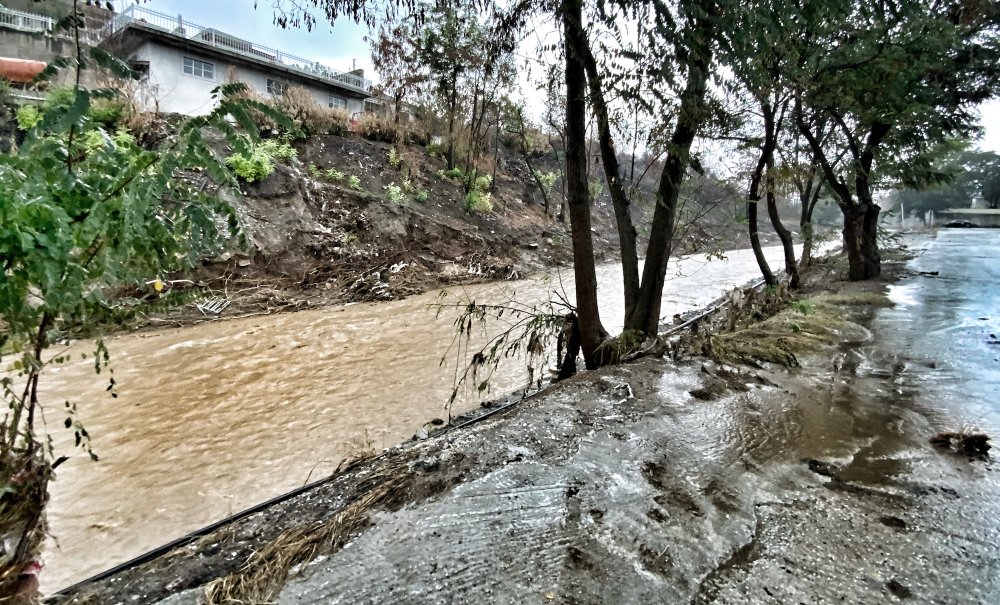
{"x":277,"y":402}
{"x":643,"y":482}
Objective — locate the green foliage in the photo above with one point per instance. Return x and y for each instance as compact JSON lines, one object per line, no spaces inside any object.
{"x":595,"y":188}
{"x":334,"y":175}
{"x":354,"y":183}
{"x":547,"y":179}
{"x":280,"y":150}
{"x":394,"y":159}
{"x":394,"y":193}
{"x":85,"y":213}
{"x":969,"y":175}
{"x":527,"y":334}
{"x":479,"y":200}
{"x":483,"y":182}
{"x":107,"y":113}
{"x":803,"y":307}
{"x":455,"y":174}
{"x":314,"y":171}
{"x":27,"y":117}
{"x":60,"y":96}
{"x":422,"y":196}
{"x":123,"y":138}
{"x":257,"y":163}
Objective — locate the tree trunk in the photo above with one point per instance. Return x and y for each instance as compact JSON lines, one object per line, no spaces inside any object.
{"x":787,"y":244}
{"x":592,"y":333}
{"x":452,"y":108}
{"x":758,"y":252}
{"x":612,"y":172}
{"x":861,"y":241}
{"x":806,"y":228}
{"x":753,"y":202}
{"x":645,"y":317}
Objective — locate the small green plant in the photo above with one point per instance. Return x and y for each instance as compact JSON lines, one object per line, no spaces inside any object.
{"x":334,"y":175}
{"x":407,"y":185}
{"x":123,"y":138}
{"x":394,"y":159}
{"x":255,"y":167}
{"x":259,"y":164}
{"x":595,"y":188}
{"x":107,"y":113}
{"x":478,"y":202}
{"x":394,"y":193}
{"x":314,"y":171}
{"x":483,"y":183}
{"x":455,"y":174}
{"x":279,"y":150}
{"x":354,"y":182}
{"x":422,"y":196}
{"x":27,"y":116}
{"x":547,"y":179}
{"x":803,"y":307}
{"x":435,"y":149}
{"x":479,"y":199}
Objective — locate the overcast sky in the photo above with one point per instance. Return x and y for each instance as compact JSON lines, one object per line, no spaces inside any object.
{"x":342,"y":46}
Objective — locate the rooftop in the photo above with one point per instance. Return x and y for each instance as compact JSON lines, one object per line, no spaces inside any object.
{"x":177,"y":27}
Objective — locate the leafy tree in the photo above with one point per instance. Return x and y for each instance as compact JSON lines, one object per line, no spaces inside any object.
{"x":970,"y":176}
{"x":84,"y":212}
{"x":756,"y":52}
{"x":395,"y":56}
{"x":672,"y":60}
{"x":894,"y":78}
{"x":991,"y":186}
{"x":678,"y":46}
{"x":451,"y":45}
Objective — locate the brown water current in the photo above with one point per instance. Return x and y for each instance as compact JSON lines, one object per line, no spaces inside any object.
{"x":217,"y":417}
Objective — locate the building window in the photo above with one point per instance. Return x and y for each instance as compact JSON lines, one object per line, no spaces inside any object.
{"x":338,"y":102}
{"x":199,"y":69}
{"x":276,"y":88}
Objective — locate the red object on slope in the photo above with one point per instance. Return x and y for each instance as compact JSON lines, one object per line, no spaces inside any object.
{"x":21,"y":71}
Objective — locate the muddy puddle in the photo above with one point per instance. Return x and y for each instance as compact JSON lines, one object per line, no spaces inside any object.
{"x":214,"y":418}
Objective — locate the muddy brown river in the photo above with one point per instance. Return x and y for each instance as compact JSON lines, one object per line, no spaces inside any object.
{"x":212,"y":419}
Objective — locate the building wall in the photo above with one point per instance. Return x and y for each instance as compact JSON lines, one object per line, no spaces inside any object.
{"x":169,"y":89}
{"x":177,"y":92}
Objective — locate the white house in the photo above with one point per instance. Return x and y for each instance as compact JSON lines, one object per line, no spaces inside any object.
{"x":181,"y":63}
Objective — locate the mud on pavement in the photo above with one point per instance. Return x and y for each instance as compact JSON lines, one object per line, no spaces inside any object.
{"x":813,"y":484}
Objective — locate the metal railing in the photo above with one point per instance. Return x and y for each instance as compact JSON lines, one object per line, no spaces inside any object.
{"x":213,"y":37}
{"x":25,"y":22}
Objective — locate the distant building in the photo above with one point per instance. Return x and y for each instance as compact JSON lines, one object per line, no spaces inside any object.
{"x":181,"y":63}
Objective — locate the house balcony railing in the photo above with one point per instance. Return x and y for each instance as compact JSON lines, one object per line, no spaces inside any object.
{"x":25,"y":22}
{"x":223,"y":41}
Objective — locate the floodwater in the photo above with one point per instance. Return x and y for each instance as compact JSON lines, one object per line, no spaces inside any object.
{"x":947,"y":321}
{"x":214,"y":418}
